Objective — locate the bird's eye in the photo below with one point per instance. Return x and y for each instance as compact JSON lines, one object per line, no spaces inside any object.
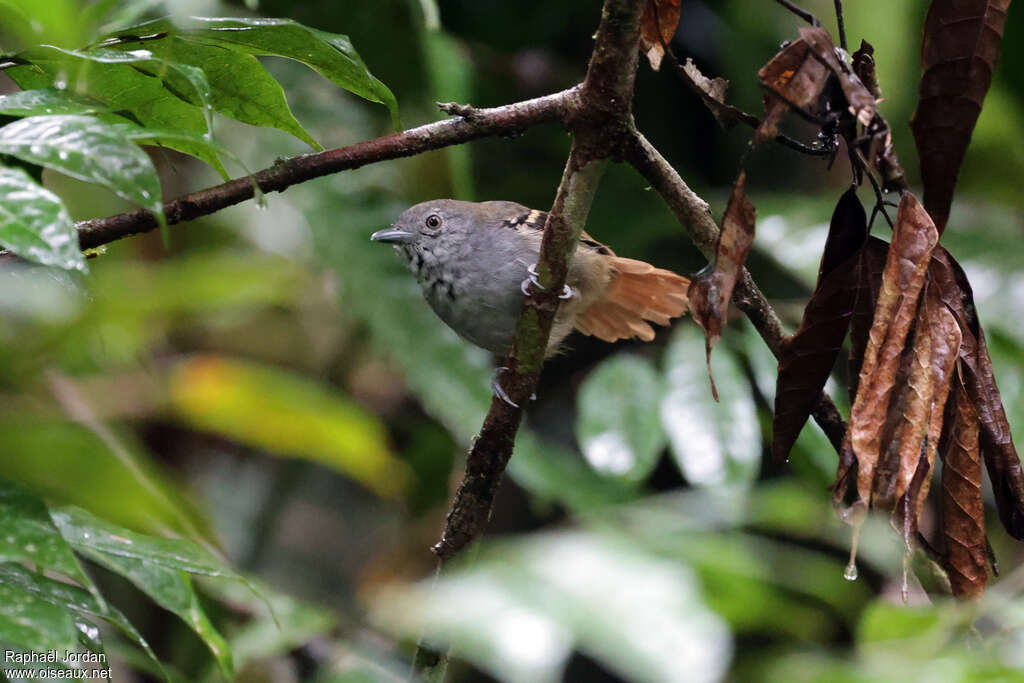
{"x":433,"y":221}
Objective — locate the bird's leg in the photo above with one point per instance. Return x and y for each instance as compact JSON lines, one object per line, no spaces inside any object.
{"x":500,"y":393}
{"x":567,"y":292}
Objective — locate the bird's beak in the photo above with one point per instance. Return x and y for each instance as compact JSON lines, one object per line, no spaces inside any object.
{"x":391,"y":234}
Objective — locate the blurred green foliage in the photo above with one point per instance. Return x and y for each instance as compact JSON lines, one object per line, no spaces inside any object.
{"x":271,"y":393}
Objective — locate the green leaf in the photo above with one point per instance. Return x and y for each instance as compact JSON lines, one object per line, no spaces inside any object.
{"x":269,"y":634}
{"x":63,"y":461}
{"x":240,"y":87}
{"x":121,"y":87}
{"x":74,"y":599}
{"x":48,"y":101}
{"x":181,"y":79}
{"x":617,"y":424}
{"x":330,"y":54}
{"x":920,"y":631}
{"x":30,"y":622}
{"x":87,"y":149}
{"x":28,"y":535}
{"x":201,"y":145}
{"x":287,"y":415}
{"x":92,"y":535}
{"x":159,"y":567}
{"x":34,"y":223}
{"x":521,"y":609}
{"x":713,"y":442}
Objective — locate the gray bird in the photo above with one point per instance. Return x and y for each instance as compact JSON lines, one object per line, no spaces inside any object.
{"x":475,"y":262}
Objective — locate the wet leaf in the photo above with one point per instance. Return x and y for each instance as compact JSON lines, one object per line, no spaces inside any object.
{"x":239,"y":85}
{"x":34,"y":223}
{"x":181,"y":79}
{"x":914,"y":237}
{"x":959,"y":51}
{"x":657,"y":26}
{"x":28,"y":621}
{"x":330,"y":54}
{"x":810,"y":354}
{"x":73,"y":599}
{"x":48,"y":101}
{"x":711,"y":290}
{"x":28,"y":535}
{"x":87,"y":149}
{"x":159,"y":567}
{"x":617,"y":424}
{"x":963,"y":510}
{"x":289,"y":416}
{"x":859,"y":99}
{"x":141,"y":97}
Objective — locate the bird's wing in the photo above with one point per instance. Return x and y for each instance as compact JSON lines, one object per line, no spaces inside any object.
{"x":534,"y":219}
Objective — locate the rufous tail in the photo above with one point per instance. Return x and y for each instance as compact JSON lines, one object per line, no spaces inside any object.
{"x":638,"y":295}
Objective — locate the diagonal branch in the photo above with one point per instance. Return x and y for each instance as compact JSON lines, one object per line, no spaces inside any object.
{"x":694,"y":214}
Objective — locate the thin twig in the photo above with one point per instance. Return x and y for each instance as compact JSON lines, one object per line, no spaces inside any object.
{"x":842,"y":24}
{"x":800,"y":12}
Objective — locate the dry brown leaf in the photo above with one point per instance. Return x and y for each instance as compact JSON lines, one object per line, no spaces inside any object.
{"x":869,"y":281}
{"x":914,"y":237}
{"x":808,"y":356}
{"x":657,"y":27}
{"x":911,"y":417}
{"x":712,"y":93}
{"x":997,"y":447}
{"x":792,"y":79}
{"x":959,"y":52}
{"x":861,"y":102}
{"x":946,"y":341}
{"x":711,"y":289}
{"x":963,"y":509}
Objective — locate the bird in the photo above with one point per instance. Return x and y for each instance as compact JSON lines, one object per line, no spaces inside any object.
{"x":476,"y":262}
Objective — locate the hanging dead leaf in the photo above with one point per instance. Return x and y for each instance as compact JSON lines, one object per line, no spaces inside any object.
{"x":946,"y":342}
{"x":909,"y":417}
{"x":959,"y":51}
{"x":998,"y":450}
{"x":963,"y":509}
{"x":793,"y":79}
{"x":712,"y":93}
{"x":868,"y":282}
{"x":711,"y":289}
{"x":657,"y":27}
{"x":810,"y":354}
{"x":914,"y":237}
{"x":861,"y":102}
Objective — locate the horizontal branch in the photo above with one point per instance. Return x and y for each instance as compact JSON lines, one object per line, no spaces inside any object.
{"x":509,"y":119}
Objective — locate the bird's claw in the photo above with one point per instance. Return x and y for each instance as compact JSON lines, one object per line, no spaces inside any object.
{"x":567,"y":291}
{"x":500,"y":393}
